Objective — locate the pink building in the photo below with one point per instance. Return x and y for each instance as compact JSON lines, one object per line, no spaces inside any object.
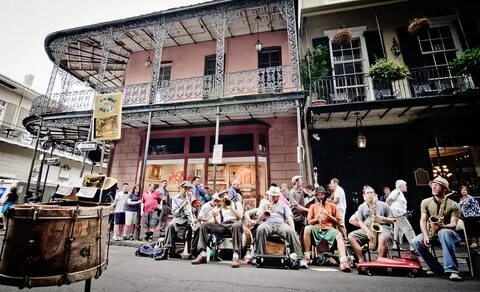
{"x":179,"y":70}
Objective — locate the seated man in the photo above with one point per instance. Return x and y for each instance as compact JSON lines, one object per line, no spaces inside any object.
{"x":446,"y":234}
{"x":279,"y":213}
{"x":227,"y":222}
{"x":322,"y":217}
{"x":363,"y":218}
{"x":182,"y":213}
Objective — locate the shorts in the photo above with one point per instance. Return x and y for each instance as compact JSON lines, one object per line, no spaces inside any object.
{"x":131,"y":218}
{"x":361,"y":237}
{"x":150,"y":220}
{"x":330,"y":235}
{"x":119,"y":218}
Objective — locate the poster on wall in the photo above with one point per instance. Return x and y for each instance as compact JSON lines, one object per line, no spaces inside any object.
{"x":107,"y":117}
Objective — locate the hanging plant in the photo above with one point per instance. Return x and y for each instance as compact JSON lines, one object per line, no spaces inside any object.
{"x":387,"y":70}
{"x":419,"y":26}
{"x":342,"y":36}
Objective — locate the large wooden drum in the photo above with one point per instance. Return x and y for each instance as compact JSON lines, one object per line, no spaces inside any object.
{"x":48,"y":245}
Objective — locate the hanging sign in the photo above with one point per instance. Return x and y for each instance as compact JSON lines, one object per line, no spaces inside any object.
{"x":107,"y":117}
{"x":217,"y":153}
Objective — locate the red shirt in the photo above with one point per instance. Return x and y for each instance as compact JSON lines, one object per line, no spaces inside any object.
{"x":150,"y":201}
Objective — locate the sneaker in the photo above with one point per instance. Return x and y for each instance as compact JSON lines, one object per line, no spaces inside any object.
{"x":200,"y":260}
{"x":124,"y":237}
{"x":474,"y":245}
{"x":345,"y":267}
{"x":235,"y":263}
{"x":303,"y":264}
{"x":131,"y":237}
{"x":455,"y":277}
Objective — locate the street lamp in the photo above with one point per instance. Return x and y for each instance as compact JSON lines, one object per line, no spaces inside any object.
{"x":361,"y":139}
{"x":258,"y":45}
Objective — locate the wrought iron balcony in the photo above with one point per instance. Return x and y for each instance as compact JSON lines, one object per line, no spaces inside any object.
{"x":360,"y":87}
{"x":248,"y":82}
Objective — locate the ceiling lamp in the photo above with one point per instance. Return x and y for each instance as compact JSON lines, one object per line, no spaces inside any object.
{"x":148,"y":61}
{"x":361,"y":139}
{"x":258,"y":45}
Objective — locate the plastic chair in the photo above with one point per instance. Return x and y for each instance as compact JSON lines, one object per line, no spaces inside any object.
{"x":463,"y":235}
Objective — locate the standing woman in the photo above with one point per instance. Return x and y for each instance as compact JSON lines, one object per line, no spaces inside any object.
{"x":471,"y":213}
{"x":12,"y":199}
{"x":131,"y":214}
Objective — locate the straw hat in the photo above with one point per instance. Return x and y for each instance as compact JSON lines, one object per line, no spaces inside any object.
{"x":274,"y":191}
{"x":441,"y":181}
{"x":295,"y":178}
{"x":186,"y":184}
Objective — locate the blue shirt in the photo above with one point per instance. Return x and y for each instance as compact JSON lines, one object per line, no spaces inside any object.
{"x":133,"y":208}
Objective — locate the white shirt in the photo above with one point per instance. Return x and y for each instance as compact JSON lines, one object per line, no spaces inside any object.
{"x":206,"y":212}
{"x":121,"y":202}
{"x":342,"y":201}
{"x":399,"y":203}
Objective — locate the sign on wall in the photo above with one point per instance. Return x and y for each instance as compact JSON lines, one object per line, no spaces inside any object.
{"x":107,"y":117}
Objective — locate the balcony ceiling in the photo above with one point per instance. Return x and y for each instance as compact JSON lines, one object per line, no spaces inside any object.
{"x":83,"y":56}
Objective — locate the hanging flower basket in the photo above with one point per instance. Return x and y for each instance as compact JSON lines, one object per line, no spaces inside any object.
{"x":342,"y":36}
{"x":419,"y":26}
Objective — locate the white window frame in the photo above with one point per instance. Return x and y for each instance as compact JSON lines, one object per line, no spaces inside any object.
{"x":3,"y":109}
{"x":161,"y":77}
{"x":357,"y":32}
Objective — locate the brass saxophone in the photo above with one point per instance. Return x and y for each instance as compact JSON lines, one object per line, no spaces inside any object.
{"x":436,"y":221}
{"x":375,"y":227}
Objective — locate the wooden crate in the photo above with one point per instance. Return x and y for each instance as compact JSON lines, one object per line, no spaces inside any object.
{"x":274,"y":248}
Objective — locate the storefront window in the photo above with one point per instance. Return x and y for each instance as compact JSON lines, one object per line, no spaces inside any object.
{"x":196,"y":167}
{"x":166,"y":146}
{"x":170,"y":170}
{"x":197,"y":144}
{"x":232,"y":143}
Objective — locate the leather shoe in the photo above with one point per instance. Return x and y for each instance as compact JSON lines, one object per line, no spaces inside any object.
{"x":235,"y":263}
{"x":199,"y":260}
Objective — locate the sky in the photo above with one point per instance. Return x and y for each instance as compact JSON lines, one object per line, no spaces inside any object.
{"x":24,"y":24}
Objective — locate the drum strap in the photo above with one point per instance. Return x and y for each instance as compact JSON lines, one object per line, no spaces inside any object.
{"x":68,"y":245}
{"x":31,"y":243}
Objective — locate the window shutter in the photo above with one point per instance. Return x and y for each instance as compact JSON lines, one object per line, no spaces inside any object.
{"x":411,"y":53}
{"x":471,"y":33}
{"x":374,"y":46}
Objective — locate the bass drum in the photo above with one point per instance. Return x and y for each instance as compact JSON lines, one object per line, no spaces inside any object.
{"x":52,"y":244}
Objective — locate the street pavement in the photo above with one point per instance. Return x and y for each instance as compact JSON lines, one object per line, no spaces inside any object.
{"x":126,"y":272}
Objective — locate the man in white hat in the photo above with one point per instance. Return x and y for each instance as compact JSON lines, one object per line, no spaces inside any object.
{"x":398,"y":203}
{"x":182,"y":212}
{"x":296,"y":198}
{"x":446,"y":235}
{"x":275,"y":222}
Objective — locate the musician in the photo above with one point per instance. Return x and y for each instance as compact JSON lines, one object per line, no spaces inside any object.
{"x":296,"y":197}
{"x":398,"y":203}
{"x":275,"y":223}
{"x":150,"y":203}
{"x":228,"y":221}
{"x":166,"y":206}
{"x":182,"y":213}
{"x":206,"y":214}
{"x":446,"y":235}
{"x":363,"y":235}
{"x":322,"y":218}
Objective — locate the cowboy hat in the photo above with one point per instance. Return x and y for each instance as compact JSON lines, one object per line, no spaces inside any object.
{"x":441,"y":181}
{"x":274,"y":191}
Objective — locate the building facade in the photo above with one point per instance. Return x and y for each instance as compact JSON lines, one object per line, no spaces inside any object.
{"x":415,"y":128}
{"x":180,"y":71}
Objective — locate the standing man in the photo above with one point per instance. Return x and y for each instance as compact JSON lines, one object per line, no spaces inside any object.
{"x":341,"y":202}
{"x":397,"y":202}
{"x":151,"y":203}
{"x":197,"y":190}
{"x":166,"y":206}
{"x":446,"y":235}
{"x":363,"y":218}
{"x":297,"y":204}
{"x":386,"y":193}
{"x":234,"y":192}
{"x":120,"y":203}
{"x":276,"y":223}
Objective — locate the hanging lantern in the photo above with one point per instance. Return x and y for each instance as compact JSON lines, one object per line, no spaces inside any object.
{"x":419,"y":26}
{"x":342,"y":36}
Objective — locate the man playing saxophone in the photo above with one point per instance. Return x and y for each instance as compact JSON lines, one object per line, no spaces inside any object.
{"x":227,"y":222}
{"x":374,"y":218}
{"x":447,"y":212}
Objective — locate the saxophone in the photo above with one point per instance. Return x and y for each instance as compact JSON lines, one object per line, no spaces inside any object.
{"x":436,"y":221}
{"x":375,"y":227}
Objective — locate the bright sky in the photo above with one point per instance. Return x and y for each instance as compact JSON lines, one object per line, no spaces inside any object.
{"x":24,"y":24}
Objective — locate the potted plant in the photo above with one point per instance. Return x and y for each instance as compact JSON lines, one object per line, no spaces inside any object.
{"x":468,"y":63}
{"x":313,"y":67}
{"x":419,"y":25}
{"x":386,"y":71}
{"x":342,"y":36}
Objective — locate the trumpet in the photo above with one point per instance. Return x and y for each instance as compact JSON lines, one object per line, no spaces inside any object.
{"x":193,"y":220}
{"x":268,"y":212}
{"x":226,"y":203}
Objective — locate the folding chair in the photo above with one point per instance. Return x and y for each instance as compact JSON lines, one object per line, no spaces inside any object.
{"x":463,"y":235}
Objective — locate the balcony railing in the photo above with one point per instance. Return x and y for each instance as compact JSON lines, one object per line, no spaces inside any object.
{"x":248,"y":82}
{"x":360,"y":87}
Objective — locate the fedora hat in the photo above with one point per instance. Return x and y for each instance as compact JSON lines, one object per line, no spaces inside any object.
{"x":441,"y":181}
{"x":295,"y":178}
{"x":320,"y":189}
{"x":274,"y":191}
{"x":186,"y":184}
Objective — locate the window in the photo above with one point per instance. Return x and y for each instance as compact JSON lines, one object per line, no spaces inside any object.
{"x":197,"y":144}
{"x":271,"y":77}
{"x":210,"y":64}
{"x":2,"y":109}
{"x":232,"y":143}
{"x":165,"y":74}
{"x":270,"y":57}
{"x":166,"y":146}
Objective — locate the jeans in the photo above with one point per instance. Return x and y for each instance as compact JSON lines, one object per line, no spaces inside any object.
{"x":448,"y":239}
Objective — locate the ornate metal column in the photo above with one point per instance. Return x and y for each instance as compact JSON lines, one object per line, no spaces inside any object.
{"x":287,"y":9}
{"x":219,"y":21}
{"x":160,"y":33}
{"x":107,"y":38}
{"x":58,"y":47}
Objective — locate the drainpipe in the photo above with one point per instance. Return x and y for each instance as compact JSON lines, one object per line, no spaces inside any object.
{"x":300,"y":148}
{"x":217,"y":133}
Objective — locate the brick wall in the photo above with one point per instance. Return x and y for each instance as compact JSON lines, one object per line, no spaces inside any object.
{"x":283,"y":149}
{"x":127,"y":156}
